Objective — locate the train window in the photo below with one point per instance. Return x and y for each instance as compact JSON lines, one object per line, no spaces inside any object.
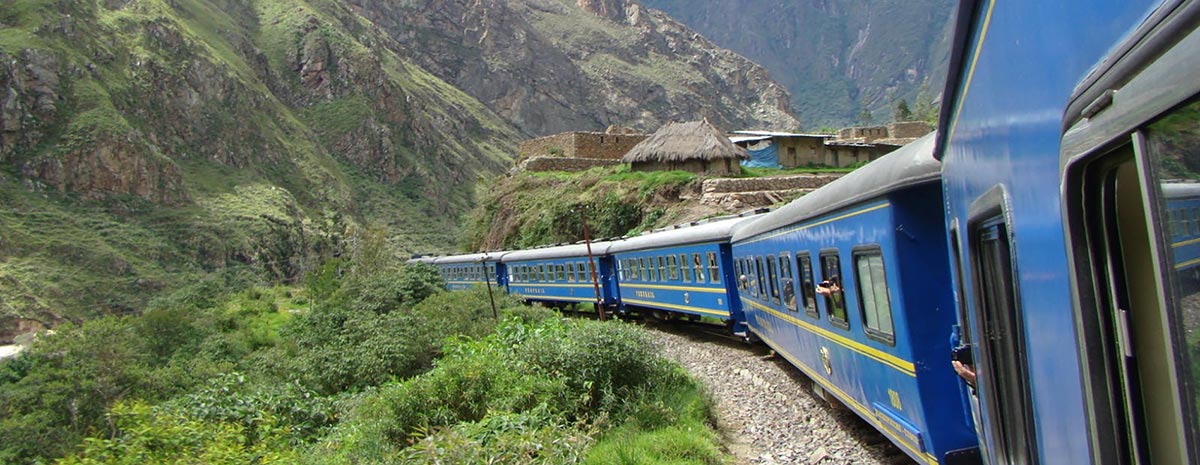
{"x":685,"y":269}
{"x":786,"y":284}
{"x":807,"y":287}
{"x":646,"y":272}
{"x":561,"y":272}
{"x":751,"y":278}
{"x":873,"y":295}
{"x":571,"y":272}
{"x":772,"y":280}
{"x":714,"y":271}
{"x":760,"y":289}
{"x":835,"y":299}
{"x":673,"y":266}
{"x":698,"y":267}
{"x":740,"y":269}
{"x":1003,"y":368}
{"x":662,"y":268}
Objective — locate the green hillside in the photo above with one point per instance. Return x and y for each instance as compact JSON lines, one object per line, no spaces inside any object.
{"x":145,"y":143}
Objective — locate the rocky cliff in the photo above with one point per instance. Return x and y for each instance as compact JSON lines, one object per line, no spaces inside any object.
{"x":558,"y":65}
{"x":836,"y":57}
{"x":146,"y":144}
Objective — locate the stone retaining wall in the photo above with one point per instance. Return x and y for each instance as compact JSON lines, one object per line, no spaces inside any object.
{"x":564,"y":164}
{"x":778,"y":183}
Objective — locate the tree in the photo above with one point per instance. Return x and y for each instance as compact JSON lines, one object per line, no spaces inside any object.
{"x":865,"y":118}
{"x":902,"y":112}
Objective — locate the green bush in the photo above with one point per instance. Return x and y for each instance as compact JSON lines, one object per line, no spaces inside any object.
{"x":144,"y":435}
{"x":498,"y":395}
{"x":231,"y":398}
{"x":349,"y":345}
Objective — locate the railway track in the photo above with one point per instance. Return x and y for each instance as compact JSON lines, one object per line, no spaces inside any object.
{"x":766,"y":408}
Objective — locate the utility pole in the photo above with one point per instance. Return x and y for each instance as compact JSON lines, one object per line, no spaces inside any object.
{"x":487,"y":277}
{"x":587,"y":239}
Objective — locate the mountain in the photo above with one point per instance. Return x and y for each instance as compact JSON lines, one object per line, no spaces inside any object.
{"x":559,"y":65}
{"x":152,"y":145}
{"x":836,"y":57}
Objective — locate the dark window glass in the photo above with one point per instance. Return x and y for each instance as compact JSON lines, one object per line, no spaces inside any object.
{"x":786,"y":284}
{"x":807,"y":286}
{"x":835,"y":300}
{"x":772,"y":279}
{"x":714,"y":270}
{"x":759,"y":276}
{"x":698,"y":267}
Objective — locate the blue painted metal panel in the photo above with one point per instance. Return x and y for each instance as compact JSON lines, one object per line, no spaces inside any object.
{"x":1004,"y":132}
{"x":704,"y":297}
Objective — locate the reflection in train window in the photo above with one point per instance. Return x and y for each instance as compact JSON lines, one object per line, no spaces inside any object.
{"x":772,"y":280}
{"x":873,"y":295}
{"x":786,"y":284}
{"x":759,"y":273}
{"x":807,"y":287}
{"x":835,"y":302}
{"x":1173,"y":145}
{"x":714,"y":271}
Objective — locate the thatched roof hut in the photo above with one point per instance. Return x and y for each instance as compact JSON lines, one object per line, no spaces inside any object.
{"x":696,"y":146}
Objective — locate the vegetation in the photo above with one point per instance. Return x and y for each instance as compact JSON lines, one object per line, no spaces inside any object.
{"x":366,"y":362}
{"x":538,"y":208}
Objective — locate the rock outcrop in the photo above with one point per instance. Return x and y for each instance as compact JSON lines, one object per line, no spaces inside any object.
{"x":551,"y":66}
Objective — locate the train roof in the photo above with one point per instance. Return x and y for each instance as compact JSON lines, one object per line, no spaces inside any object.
{"x":468,"y":258}
{"x":716,"y":229}
{"x":1175,"y":190}
{"x":561,"y":251}
{"x":908,"y":166}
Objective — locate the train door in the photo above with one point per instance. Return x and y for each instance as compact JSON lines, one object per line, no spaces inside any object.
{"x":1002,"y":367}
{"x":1131,"y":159}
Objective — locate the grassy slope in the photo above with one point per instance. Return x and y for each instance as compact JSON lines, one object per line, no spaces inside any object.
{"x":293,"y":200}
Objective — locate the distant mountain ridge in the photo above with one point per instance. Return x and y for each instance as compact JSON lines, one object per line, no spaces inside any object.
{"x":561,"y":65}
{"x":836,"y":57}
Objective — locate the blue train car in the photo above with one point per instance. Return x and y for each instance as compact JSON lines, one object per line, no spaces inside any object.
{"x":1066,"y":128}
{"x":562,"y":275}
{"x":682,"y":270}
{"x":850,"y":284}
{"x":464,"y":271}
{"x":1182,"y":210}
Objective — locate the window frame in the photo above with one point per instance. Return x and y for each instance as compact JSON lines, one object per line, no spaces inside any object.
{"x":842,"y":322}
{"x":808,"y":289}
{"x":873,"y":251}
{"x":787,"y":282}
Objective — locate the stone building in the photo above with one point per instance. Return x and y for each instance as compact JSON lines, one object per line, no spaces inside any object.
{"x":695,"y":146}
{"x":850,"y":146}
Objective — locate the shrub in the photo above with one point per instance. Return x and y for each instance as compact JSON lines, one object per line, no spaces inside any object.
{"x":144,"y":435}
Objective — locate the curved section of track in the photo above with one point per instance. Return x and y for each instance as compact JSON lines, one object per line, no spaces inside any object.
{"x":767,"y":409}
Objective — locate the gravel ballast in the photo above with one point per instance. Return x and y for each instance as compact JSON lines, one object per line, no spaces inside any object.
{"x":766,"y":408}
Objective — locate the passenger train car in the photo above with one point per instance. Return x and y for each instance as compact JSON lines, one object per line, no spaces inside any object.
{"x":681,"y":271}
{"x":464,"y":271}
{"x":563,"y":274}
{"x":875,"y":331}
{"x":1067,"y":129}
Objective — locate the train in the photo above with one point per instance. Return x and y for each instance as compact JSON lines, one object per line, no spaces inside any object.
{"x":1019,"y":287}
